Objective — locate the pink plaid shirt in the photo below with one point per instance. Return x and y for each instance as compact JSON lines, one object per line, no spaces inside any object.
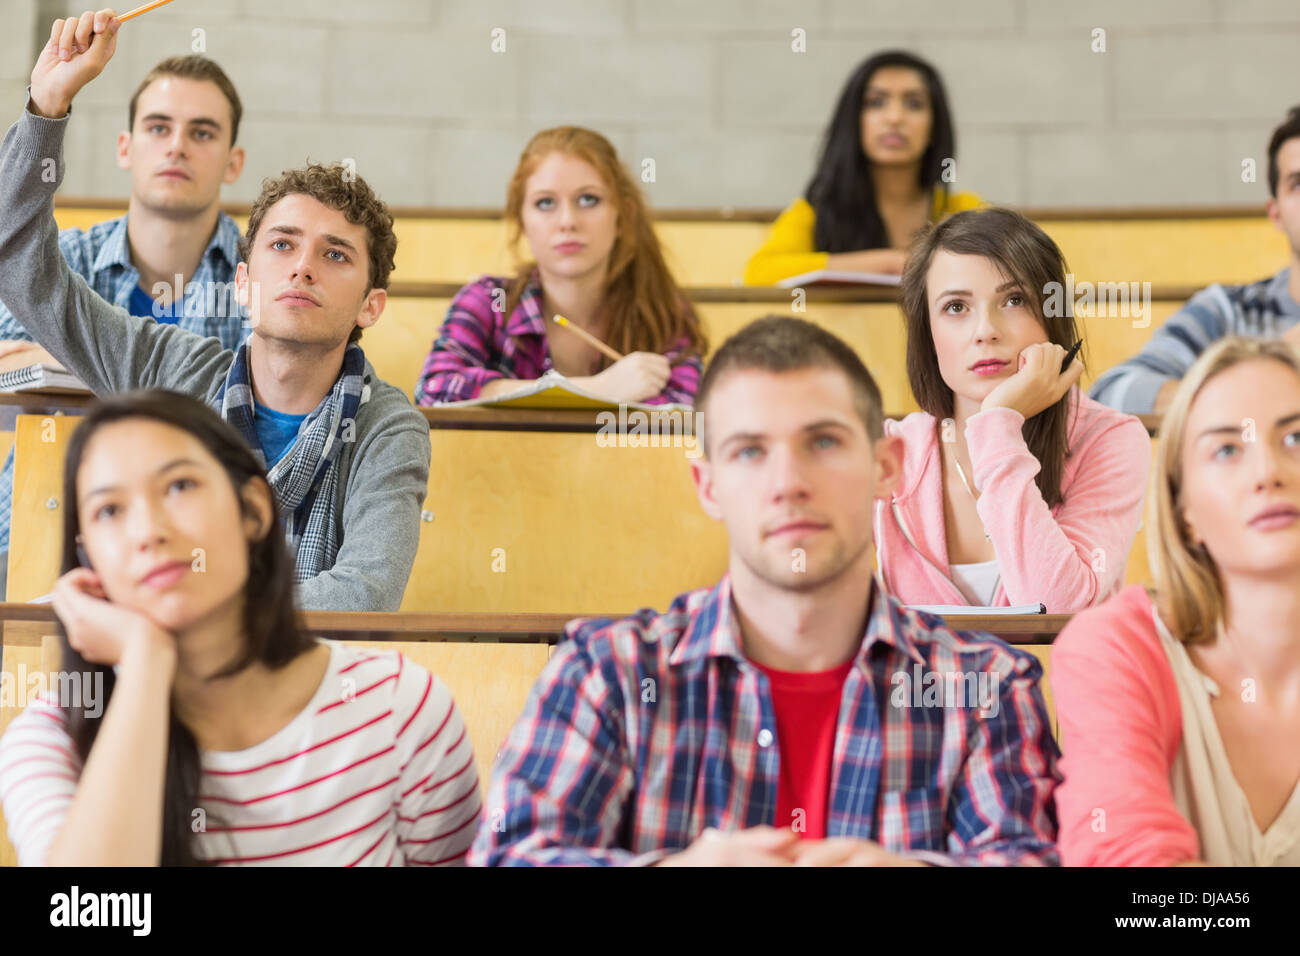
{"x":479,"y":343}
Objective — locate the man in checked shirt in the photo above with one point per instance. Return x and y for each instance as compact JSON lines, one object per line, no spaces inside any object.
{"x":787,"y":715}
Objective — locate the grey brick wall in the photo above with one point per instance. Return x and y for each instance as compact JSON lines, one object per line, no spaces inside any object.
{"x":711,"y":90}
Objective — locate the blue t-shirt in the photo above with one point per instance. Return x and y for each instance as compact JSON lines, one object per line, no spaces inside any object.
{"x":276,"y":431}
{"x":143,"y":304}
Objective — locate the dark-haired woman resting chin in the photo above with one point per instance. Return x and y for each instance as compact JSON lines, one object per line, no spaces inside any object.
{"x":210,"y":728}
{"x":886,"y":171}
{"x":1016,"y":487}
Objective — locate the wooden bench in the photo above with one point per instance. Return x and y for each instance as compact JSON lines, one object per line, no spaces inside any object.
{"x":703,"y":248}
{"x":513,"y":522}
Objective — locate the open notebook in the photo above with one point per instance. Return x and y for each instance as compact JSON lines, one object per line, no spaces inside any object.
{"x":968,"y":610}
{"x":41,"y":378}
{"x":834,"y":277}
{"x":553,"y":390}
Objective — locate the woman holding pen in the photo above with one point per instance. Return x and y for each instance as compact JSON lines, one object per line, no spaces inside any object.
{"x":597,"y":263}
{"x":1017,"y":488}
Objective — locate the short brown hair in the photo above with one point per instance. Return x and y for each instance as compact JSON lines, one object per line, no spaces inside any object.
{"x":778,"y":343}
{"x":193,"y":67}
{"x":338,"y":187}
{"x":1288,"y":129}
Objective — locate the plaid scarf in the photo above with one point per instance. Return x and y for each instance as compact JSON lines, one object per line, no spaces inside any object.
{"x":305,"y":479}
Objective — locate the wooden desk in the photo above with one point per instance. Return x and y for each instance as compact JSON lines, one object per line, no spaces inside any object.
{"x":777,"y":295}
{"x":24,"y":624}
{"x":514,"y":419}
{"x":1014,"y":628}
{"x":13,"y":404}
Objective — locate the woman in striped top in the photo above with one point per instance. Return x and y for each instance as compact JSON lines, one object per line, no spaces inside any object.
{"x":597,"y":262}
{"x":206,"y":726}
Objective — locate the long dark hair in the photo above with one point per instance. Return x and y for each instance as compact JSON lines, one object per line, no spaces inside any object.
{"x":1026,"y":254}
{"x":842,"y":192}
{"x":271,"y":631}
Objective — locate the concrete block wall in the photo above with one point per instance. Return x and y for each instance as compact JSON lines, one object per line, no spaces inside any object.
{"x":413,"y":91}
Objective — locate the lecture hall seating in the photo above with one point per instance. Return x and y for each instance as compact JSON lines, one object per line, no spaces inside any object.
{"x":514,"y":522}
{"x":1164,"y":246}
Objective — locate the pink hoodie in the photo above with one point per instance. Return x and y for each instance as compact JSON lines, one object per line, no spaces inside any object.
{"x":1068,"y":557}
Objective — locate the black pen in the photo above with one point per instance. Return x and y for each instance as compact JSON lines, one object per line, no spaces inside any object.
{"x":1069,"y":356}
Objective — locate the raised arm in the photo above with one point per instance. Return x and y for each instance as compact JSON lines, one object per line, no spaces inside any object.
{"x":102,"y":345}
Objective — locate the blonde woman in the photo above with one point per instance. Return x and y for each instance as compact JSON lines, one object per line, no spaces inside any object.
{"x":1180,"y":704}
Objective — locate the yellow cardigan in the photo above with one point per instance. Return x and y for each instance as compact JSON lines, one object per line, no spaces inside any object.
{"x":789,"y":247}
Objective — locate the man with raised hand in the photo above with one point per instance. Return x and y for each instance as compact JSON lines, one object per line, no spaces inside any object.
{"x":172,"y":257}
{"x":794,"y":713}
{"x":348,"y":456}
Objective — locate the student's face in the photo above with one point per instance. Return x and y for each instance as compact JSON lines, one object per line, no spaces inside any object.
{"x":179,"y":151}
{"x":569,"y":217}
{"x":792,"y":475}
{"x":977,"y":313}
{"x":307,"y":275}
{"x":161,"y":523}
{"x":896,"y":117}
{"x":1284,"y":210}
{"x":1231,"y":475}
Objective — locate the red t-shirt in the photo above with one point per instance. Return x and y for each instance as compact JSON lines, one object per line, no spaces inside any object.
{"x":807,"y":705}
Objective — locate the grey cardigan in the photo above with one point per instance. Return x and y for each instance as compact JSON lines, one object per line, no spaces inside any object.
{"x":384,"y":473}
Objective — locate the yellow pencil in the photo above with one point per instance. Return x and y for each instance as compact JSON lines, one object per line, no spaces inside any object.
{"x":591,"y":339}
{"x":142,"y":9}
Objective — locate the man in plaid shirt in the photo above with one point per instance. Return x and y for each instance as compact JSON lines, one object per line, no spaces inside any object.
{"x":795,"y":713}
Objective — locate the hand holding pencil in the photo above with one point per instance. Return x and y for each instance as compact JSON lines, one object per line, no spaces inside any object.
{"x":78,"y":50}
{"x":632,"y":378}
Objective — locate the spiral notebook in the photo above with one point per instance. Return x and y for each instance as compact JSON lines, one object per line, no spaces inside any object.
{"x":41,"y":378}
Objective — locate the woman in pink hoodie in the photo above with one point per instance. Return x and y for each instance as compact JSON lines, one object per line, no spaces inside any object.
{"x":1016,"y":488}
{"x":1180,"y":705}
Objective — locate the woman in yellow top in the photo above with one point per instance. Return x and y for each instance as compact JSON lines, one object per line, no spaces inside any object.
{"x":885,"y":171}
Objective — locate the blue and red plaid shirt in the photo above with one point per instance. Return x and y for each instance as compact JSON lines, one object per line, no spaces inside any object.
{"x":478,"y":343}
{"x":643,"y":732}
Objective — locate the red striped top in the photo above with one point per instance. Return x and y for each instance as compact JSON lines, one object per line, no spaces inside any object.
{"x":377,"y":770}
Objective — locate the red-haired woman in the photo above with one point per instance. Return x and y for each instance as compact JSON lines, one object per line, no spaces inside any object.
{"x":597,"y":262}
